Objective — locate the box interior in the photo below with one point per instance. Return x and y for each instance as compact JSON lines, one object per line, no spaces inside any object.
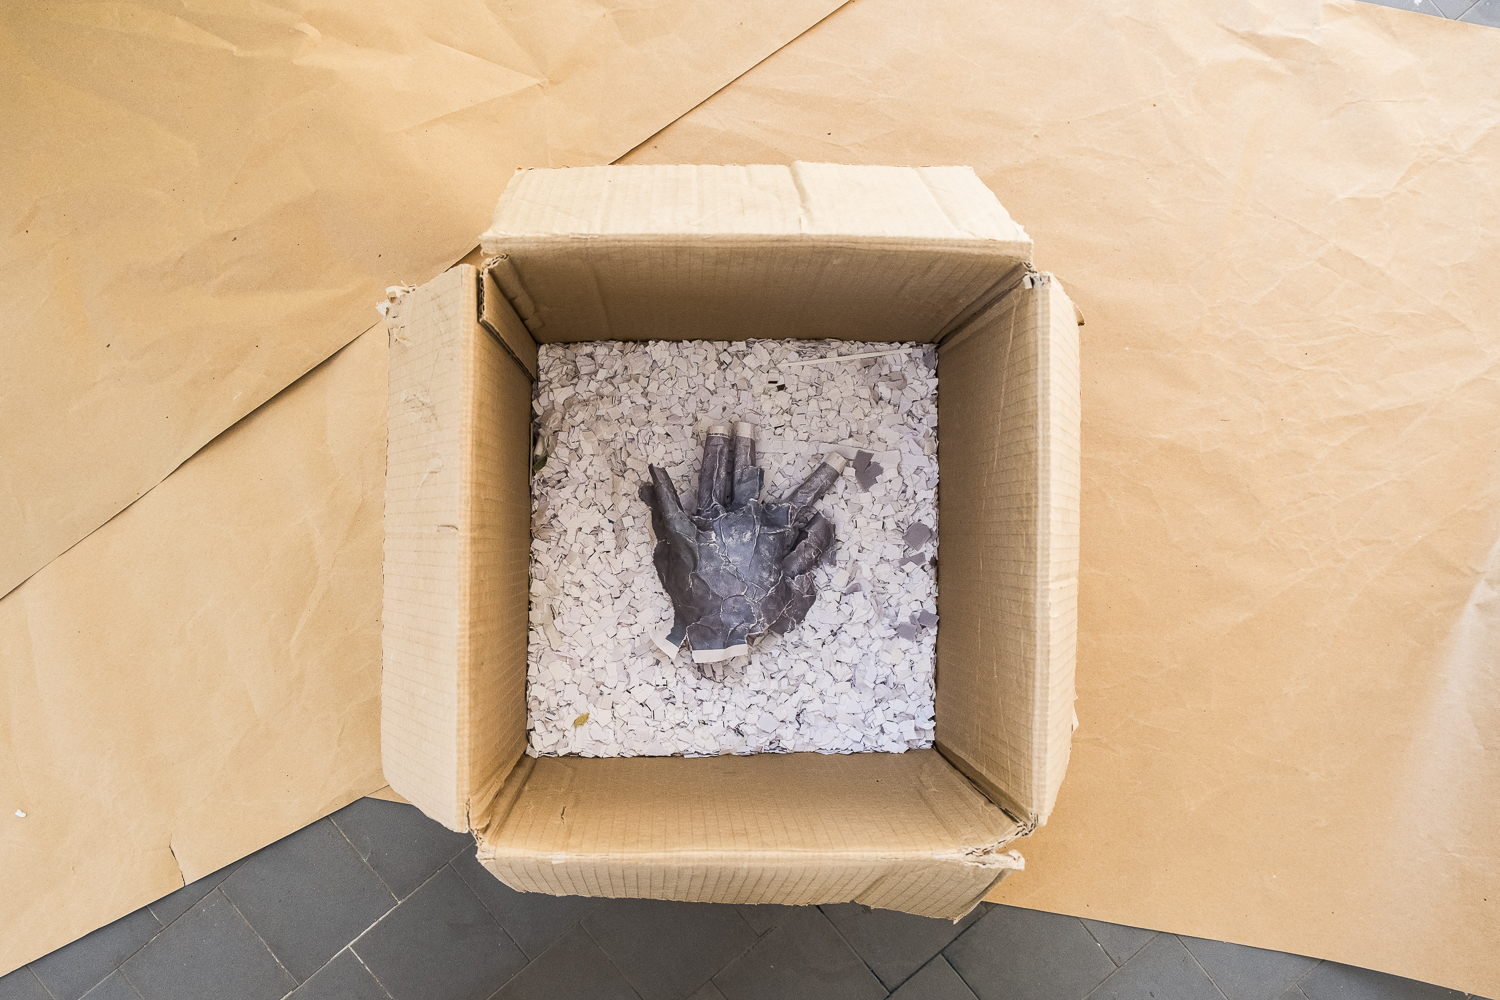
{"x":920,"y":831}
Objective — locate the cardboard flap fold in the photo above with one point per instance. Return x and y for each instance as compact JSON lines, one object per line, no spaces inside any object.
{"x":453,"y":705}
{"x":733,"y":252}
{"x":1008,"y":545}
{"x":810,"y":251}
{"x":899,"y":831}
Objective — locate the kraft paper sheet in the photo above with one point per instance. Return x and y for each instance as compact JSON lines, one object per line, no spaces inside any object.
{"x":204,"y":201}
{"x":1281,"y":222}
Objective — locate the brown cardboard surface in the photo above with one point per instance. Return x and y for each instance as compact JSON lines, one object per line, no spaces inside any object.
{"x":667,"y":252}
{"x":902,"y":831}
{"x":457,"y":520}
{"x":200,"y":676}
{"x":896,"y":831}
{"x":1282,"y":223}
{"x":201,"y":203}
{"x":1008,"y":546}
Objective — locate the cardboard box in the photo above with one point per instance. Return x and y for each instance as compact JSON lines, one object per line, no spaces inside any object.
{"x":725,"y":253}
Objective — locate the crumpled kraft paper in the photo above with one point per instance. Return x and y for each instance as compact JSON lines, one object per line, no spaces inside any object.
{"x":202,"y":200}
{"x":202,"y":203}
{"x":200,"y":676}
{"x":1281,"y":222}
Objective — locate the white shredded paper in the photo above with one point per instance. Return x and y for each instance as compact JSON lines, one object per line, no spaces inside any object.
{"x":857,"y":674}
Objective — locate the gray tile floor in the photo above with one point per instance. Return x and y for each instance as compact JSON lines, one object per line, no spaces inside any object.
{"x":377,"y":902}
{"x":1486,"y":12}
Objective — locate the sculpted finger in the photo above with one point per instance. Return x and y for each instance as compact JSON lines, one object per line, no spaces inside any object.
{"x":748,"y":477}
{"x":815,"y":485}
{"x":808,"y":551}
{"x":714,"y":478}
{"x":676,"y":526}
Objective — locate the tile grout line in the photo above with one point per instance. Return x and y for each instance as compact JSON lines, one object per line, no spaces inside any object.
{"x":365,"y":861}
{"x":120,"y":968}
{"x":350,"y":949}
{"x":264,"y":943}
{"x":43,"y":985}
{"x":1095,"y":937}
{"x":1105,"y":980}
{"x":857,"y":955}
{"x":319,"y":968}
{"x":1307,"y":972}
{"x":619,"y":971}
{"x":1206,"y":974}
{"x":393,"y":909}
{"x":470,"y":890}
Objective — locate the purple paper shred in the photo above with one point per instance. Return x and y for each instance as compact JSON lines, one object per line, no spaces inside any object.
{"x":917,"y":535}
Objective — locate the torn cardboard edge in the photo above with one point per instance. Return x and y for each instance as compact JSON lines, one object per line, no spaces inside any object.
{"x":739,"y":829}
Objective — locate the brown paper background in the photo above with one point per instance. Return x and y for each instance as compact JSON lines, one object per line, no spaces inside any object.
{"x":201,"y":676}
{"x":1282,"y":224}
{"x":1280,"y":221}
{"x":203,"y":201}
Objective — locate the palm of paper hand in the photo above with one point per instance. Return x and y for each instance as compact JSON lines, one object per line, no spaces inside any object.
{"x":739,"y":568}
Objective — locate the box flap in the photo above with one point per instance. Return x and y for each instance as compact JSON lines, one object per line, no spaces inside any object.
{"x":1008,"y":546}
{"x":458,"y":506}
{"x":731,"y":252}
{"x":899,"y":831}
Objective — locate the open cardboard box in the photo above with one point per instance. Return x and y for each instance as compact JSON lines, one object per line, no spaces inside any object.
{"x":728,"y":253}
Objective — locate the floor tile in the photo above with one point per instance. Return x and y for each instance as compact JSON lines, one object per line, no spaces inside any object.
{"x":440,"y":944}
{"x":708,"y":991}
{"x":344,"y":978}
{"x":1118,"y":941}
{"x":1016,"y":954}
{"x":1293,"y":993}
{"x":1485,"y":12}
{"x":802,"y":957}
{"x":1163,"y":970}
{"x":403,"y":846}
{"x":210,"y":953}
{"x":1453,"y":8}
{"x":1419,"y":6}
{"x":665,"y":949}
{"x":22,"y":984}
{"x":114,"y":987}
{"x":175,"y":904}
{"x":1332,"y":981}
{"x":307,"y":896}
{"x":74,"y":969}
{"x":573,"y":967}
{"x":894,"y":944}
{"x":532,"y":919}
{"x":935,"y":981}
{"x":763,"y":916}
{"x":1244,"y":973}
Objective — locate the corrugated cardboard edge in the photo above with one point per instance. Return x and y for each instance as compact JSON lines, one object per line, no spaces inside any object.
{"x":604,"y":253}
{"x":421,"y":696}
{"x":453,"y":704}
{"x":1030,"y":616}
{"x":906,"y":832}
{"x":943,"y":872}
{"x":1057,"y":568}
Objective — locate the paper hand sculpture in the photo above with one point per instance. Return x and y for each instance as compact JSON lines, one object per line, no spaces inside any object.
{"x":738,"y":568}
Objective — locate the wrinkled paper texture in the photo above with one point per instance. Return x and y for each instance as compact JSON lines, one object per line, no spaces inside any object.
{"x":202,"y":203}
{"x":1281,"y":222}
